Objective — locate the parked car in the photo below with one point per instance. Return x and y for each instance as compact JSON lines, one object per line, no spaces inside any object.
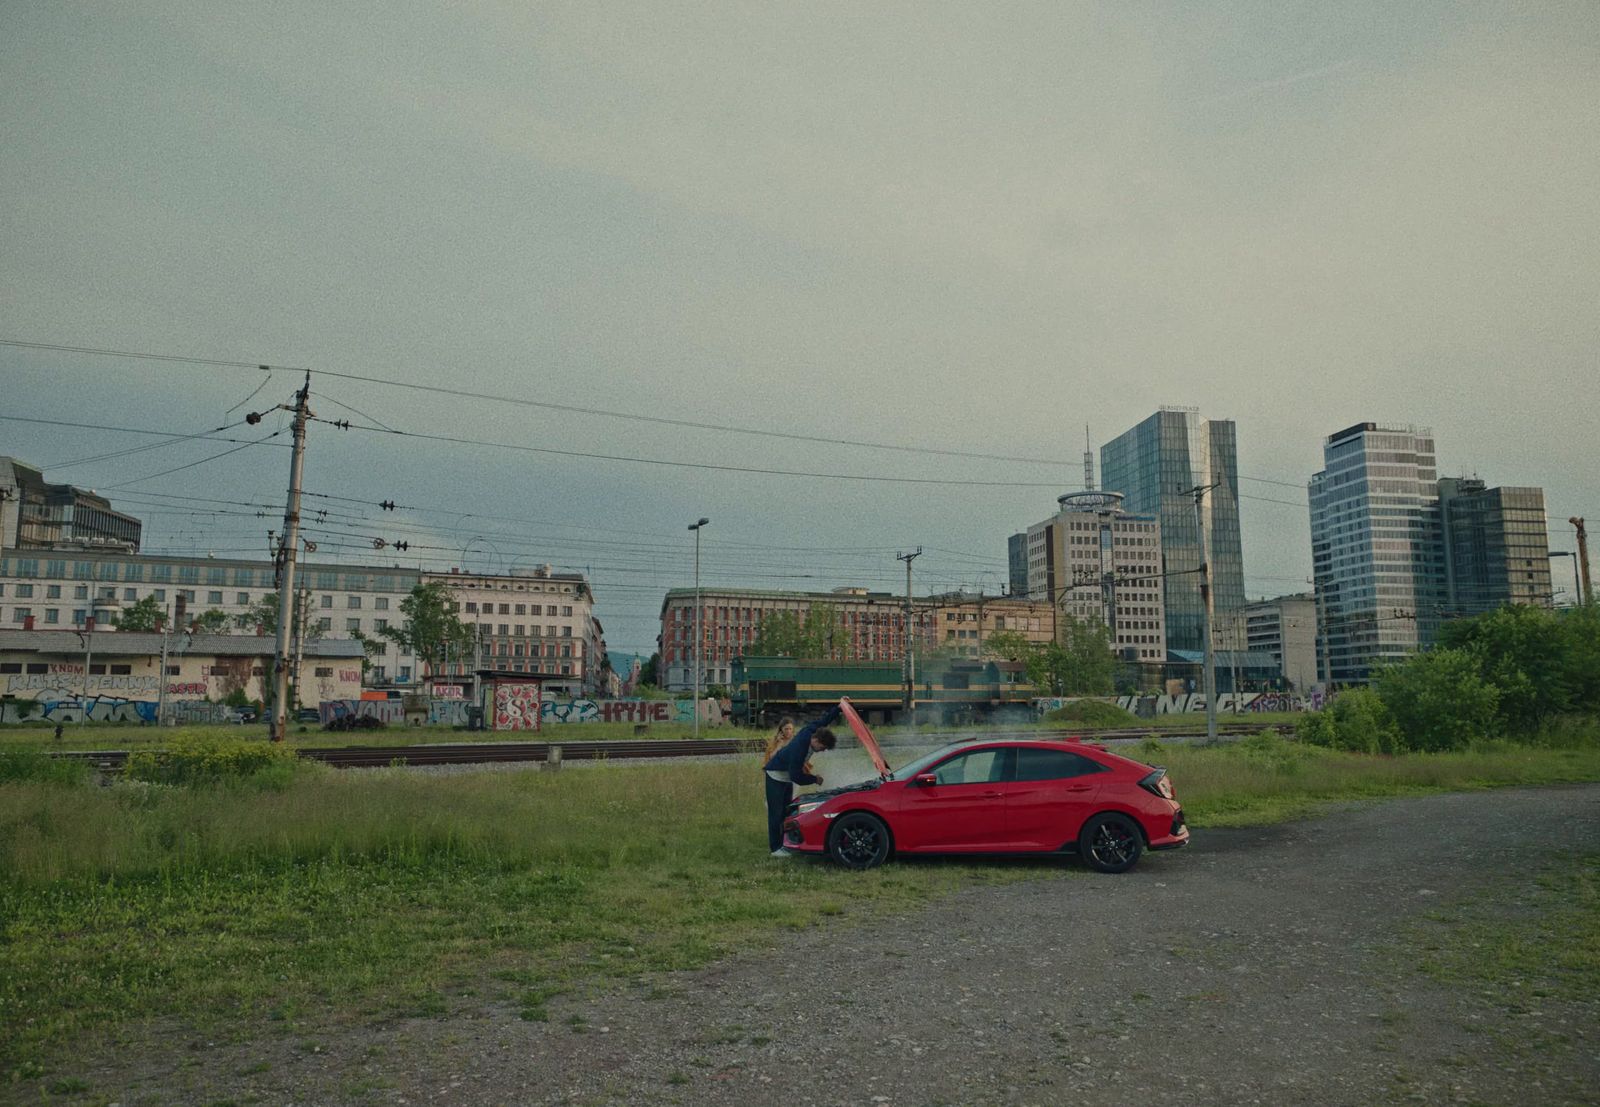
{"x":242,"y":715}
{"x":1002,"y":796}
{"x":308,"y":715}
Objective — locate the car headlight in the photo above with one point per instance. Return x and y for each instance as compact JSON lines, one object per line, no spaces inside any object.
{"x":803,"y":808}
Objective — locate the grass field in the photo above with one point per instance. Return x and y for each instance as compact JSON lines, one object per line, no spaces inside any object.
{"x":321,"y":894}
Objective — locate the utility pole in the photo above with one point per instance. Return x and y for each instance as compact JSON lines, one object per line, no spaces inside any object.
{"x":302,"y":611}
{"x":1207,"y":614}
{"x":288,"y":548}
{"x":88,"y":659}
{"x":699,"y":633}
{"x":1587,"y":595}
{"x":161,"y":689}
{"x":909,"y":666}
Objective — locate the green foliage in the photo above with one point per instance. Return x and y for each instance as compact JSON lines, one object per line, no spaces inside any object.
{"x":1440,"y":700}
{"x":213,"y":621}
{"x":431,"y":625}
{"x":649,"y":669}
{"x":1357,"y":720}
{"x":1524,"y":652}
{"x":1079,"y":664}
{"x":145,"y":616}
{"x":786,"y":634}
{"x":1092,"y":713}
{"x":203,"y":761}
{"x":25,"y":763}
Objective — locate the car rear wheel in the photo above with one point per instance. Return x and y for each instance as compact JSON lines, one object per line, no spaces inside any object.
{"x":1110,"y":843}
{"x":858,"y":841}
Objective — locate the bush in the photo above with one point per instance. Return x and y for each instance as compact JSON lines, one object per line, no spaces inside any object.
{"x":1092,"y":713}
{"x":1357,"y":720}
{"x":1441,"y":700}
{"x":21,"y":763}
{"x":200,"y":761}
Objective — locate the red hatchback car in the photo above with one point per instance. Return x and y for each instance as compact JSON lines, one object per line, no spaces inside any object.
{"x":1003,"y":796}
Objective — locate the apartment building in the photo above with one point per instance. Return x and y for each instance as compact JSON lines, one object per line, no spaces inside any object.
{"x":1286,"y":628}
{"x":537,"y":622}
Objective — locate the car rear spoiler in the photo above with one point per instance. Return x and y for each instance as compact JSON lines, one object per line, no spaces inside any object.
{"x":864,"y":736}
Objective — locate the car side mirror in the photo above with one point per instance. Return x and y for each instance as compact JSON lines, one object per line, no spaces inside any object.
{"x":925,"y":780}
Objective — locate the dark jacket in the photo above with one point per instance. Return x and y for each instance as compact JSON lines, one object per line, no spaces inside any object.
{"x":791,"y":758}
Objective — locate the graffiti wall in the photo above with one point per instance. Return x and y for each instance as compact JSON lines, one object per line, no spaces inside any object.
{"x":1228,"y":703}
{"x":516,"y":707}
{"x":582,"y":709}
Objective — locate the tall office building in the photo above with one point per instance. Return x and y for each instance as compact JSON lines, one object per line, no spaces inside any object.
{"x":1155,"y":465}
{"x":1095,"y":561}
{"x":1496,"y":547}
{"x":1376,"y":548}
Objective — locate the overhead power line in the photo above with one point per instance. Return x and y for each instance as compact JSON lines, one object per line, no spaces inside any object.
{"x":523,"y":401}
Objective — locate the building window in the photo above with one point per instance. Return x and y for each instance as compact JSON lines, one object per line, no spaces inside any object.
{"x":325,"y":624}
{"x":353,"y":626}
{"x":472,"y":607}
{"x":80,"y":591}
{"x":323,"y":671}
{"x":327,"y":601}
{"x":405,"y":675}
{"x":130,"y":594}
{"x":78,"y":615}
{"x":381,"y":603}
{"x":352,"y":602}
{"x":172,"y":670}
{"x":160,"y":594}
{"x":21,"y":613}
{"x":122,"y":670}
{"x":380,"y":624}
{"x":52,"y":615}
{"x":242,"y":599}
{"x":52,"y":592}
{"x":213,"y":597}
{"x":24,"y":591}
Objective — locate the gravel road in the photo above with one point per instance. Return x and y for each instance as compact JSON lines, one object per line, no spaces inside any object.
{"x":1271,"y":966}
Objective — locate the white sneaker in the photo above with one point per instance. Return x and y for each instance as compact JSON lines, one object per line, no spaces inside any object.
{"x":781,"y":853}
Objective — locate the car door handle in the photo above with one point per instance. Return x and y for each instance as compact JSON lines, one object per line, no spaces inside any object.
{"x":1078,"y":788}
{"x":992,"y":795}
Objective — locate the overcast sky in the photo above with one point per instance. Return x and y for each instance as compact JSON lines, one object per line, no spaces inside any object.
{"x":969,"y":227}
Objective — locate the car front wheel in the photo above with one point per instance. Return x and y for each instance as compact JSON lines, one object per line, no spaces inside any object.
{"x":859,"y":841}
{"x":1110,"y":843}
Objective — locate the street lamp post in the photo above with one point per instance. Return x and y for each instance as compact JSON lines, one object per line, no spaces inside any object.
{"x":699,"y":639}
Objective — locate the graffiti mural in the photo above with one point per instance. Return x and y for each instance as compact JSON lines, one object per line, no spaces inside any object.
{"x":1188,"y":703}
{"x":387,"y":711}
{"x":516,"y":707}
{"x":192,"y":712}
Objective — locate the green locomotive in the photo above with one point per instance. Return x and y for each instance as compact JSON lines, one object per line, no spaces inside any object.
{"x":950,"y":690}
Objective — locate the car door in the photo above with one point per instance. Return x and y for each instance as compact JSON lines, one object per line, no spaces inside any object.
{"x":963,"y":810}
{"x":1050,"y":794}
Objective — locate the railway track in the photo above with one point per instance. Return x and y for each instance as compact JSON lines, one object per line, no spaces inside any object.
{"x":484,"y":753}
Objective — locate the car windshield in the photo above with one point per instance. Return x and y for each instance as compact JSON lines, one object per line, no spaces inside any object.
{"x":906,"y":772}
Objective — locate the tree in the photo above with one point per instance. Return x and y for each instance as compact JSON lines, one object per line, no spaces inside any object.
{"x":786,"y":634}
{"x":647,"y":671}
{"x":212,"y":621}
{"x":146,"y":615}
{"x":371,"y":647}
{"x":1440,"y":700}
{"x":1081,"y":664}
{"x":431,"y":626}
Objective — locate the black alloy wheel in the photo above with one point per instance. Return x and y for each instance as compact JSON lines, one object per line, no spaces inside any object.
{"x":858,"y":841}
{"x":1110,"y":843}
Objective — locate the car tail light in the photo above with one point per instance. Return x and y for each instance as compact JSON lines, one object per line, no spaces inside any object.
{"x":1157,"y":784}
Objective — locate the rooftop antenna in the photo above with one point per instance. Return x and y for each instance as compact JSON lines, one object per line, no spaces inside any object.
{"x":1088,"y":462}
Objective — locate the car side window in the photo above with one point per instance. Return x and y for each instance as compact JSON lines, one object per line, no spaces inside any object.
{"x":977,"y":767}
{"x":1042,"y":764}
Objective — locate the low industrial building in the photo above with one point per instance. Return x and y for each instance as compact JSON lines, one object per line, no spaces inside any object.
{"x":67,"y":675}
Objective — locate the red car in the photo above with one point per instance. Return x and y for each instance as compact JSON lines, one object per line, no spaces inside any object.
{"x":1003,"y":796}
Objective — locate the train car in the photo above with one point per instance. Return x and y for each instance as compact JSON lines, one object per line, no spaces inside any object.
{"x":947,"y":690}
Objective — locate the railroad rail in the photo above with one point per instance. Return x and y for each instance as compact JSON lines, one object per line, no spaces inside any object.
{"x":484,"y":753}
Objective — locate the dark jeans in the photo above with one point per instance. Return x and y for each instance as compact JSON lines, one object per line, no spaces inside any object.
{"x":779,"y":793}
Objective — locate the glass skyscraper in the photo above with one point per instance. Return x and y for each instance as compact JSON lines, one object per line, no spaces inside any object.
{"x":1377,"y":550}
{"x":1496,"y":548}
{"x":1155,"y":465}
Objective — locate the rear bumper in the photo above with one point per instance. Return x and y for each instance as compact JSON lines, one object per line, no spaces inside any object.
{"x":1177,"y":834}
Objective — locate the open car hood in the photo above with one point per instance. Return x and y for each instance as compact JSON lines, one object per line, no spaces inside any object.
{"x":864,"y":735}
